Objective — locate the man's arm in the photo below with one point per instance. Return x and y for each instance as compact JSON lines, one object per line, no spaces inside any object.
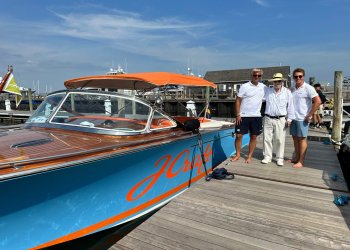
{"x":316,"y":102}
{"x":238,"y":110}
{"x":290,"y":108}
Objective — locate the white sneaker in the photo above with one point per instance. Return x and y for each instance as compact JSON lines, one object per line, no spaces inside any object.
{"x":266,"y":160}
{"x":280,"y":162}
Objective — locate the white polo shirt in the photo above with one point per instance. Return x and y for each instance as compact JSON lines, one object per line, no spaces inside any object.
{"x":302,"y":99}
{"x":252,"y":97}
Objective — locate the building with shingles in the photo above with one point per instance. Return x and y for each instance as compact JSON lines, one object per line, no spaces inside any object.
{"x":230,"y":80}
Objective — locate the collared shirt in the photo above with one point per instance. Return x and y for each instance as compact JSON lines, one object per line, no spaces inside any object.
{"x":252,"y":97}
{"x":279,"y":103}
{"x":302,"y":99}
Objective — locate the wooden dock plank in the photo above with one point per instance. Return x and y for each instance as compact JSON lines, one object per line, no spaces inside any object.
{"x":278,"y":202}
{"x":321,"y":164}
{"x":264,"y":207}
{"x":241,"y":230}
{"x":282,"y":211}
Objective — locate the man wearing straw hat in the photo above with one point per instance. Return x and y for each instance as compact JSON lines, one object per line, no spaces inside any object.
{"x":279,"y":113}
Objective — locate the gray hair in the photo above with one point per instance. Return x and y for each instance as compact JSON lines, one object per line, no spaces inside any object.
{"x":257,"y":70}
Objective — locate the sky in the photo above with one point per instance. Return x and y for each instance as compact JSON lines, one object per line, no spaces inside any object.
{"x":48,"y":41}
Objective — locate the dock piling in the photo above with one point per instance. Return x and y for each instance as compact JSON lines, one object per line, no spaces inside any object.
{"x":338,"y":107}
{"x":30,"y":100}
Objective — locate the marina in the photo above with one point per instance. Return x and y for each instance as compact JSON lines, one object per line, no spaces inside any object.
{"x":183,"y":125}
{"x":263,"y":207}
{"x":94,"y":131}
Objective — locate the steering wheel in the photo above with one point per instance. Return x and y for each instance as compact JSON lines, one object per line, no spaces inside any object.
{"x":108,"y":123}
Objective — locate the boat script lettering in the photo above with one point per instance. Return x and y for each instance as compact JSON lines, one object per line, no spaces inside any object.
{"x":166,"y":167}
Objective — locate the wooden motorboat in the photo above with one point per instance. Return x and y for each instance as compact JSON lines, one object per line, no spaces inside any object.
{"x":90,"y":161}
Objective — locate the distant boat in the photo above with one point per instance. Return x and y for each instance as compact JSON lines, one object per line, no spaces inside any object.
{"x":88,"y":162}
{"x":169,"y":89}
{"x":116,"y":71}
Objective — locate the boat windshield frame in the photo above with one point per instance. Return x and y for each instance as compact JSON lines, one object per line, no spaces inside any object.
{"x":99,"y":112}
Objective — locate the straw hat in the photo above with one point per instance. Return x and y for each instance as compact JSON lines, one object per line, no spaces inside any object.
{"x":277,"y":77}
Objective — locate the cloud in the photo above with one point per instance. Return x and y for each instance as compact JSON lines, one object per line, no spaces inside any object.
{"x":262,"y":3}
{"x":71,"y":44}
{"x":130,"y":33}
{"x":90,"y":40}
{"x":120,"y":27}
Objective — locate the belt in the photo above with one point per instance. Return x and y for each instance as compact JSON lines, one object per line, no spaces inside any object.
{"x":275,"y":117}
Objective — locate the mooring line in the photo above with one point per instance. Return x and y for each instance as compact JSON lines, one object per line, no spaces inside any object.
{"x":291,"y":182}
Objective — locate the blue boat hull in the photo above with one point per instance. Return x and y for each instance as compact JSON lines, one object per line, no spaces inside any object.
{"x":103,"y":239}
{"x":81,"y":199}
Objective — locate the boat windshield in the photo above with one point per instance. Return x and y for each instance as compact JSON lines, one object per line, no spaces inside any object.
{"x":44,"y":111}
{"x":100,"y":111}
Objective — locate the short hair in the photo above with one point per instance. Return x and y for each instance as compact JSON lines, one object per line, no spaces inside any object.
{"x":300,"y":70}
{"x":317,"y":85}
{"x":257,"y":70}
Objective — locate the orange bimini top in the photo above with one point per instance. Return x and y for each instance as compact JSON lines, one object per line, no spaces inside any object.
{"x":137,"y":81}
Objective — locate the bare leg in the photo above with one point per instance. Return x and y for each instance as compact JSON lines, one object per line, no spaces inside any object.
{"x":314,"y":119}
{"x":319,"y":119}
{"x":295,"y":156}
{"x":238,"y":144}
{"x":252,"y":145}
{"x":302,"y":142}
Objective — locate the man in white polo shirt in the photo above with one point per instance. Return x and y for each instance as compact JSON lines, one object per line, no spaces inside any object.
{"x":306,"y":102}
{"x":248,"y":116}
{"x":279,"y":114}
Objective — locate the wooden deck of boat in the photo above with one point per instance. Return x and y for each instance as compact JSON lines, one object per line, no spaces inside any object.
{"x":264,"y":207}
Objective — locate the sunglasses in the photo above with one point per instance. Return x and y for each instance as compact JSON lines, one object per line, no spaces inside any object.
{"x":278,"y":81}
{"x":257,"y":75}
{"x":298,"y":76}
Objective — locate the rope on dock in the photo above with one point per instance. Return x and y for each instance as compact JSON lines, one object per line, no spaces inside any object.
{"x":293,"y":183}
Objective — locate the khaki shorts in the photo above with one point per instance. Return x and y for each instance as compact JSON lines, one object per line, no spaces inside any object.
{"x":319,"y":111}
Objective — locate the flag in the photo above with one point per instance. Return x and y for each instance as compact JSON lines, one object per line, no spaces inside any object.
{"x":10,"y":86}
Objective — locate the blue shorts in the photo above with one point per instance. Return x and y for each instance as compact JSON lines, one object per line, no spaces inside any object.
{"x":299,"y":128}
{"x":253,"y":125}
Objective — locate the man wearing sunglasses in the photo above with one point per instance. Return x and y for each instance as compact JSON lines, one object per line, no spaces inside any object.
{"x":306,"y":102}
{"x":279,"y":113}
{"x":248,"y":116}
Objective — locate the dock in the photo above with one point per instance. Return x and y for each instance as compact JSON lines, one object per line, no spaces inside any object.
{"x":14,"y":116}
{"x":263,"y":207}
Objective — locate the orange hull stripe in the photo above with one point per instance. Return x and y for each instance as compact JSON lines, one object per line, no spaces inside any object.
{"x":118,"y":217}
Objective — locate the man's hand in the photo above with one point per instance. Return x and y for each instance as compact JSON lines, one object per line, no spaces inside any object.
{"x":308,"y":118}
{"x":238,"y":119}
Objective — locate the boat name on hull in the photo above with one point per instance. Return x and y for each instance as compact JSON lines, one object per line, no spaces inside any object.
{"x":166,"y":167}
